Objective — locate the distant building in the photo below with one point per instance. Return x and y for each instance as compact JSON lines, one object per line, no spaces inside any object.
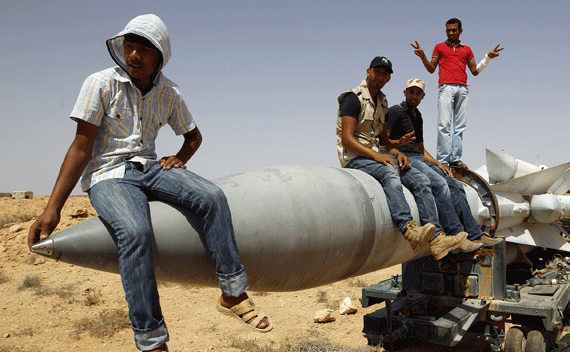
{"x":22,"y":195}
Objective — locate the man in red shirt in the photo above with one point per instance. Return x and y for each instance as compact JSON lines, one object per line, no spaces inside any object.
{"x":452,"y":57}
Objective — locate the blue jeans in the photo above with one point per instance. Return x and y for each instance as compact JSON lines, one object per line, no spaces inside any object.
{"x":420,"y":187}
{"x":391,"y":181}
{"x":452,"y":121}
{"x":122,"y":204}
{"x":451,"y":200}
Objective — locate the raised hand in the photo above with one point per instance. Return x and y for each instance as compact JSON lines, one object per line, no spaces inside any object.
{"x":407,"y":139}
{"x":495,"y":52}
{"x":417,"y":49}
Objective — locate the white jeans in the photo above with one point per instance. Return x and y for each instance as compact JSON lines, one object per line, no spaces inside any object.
{"x":452,"y":121}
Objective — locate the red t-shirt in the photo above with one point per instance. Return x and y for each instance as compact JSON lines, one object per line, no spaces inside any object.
{"x":452,"y":62}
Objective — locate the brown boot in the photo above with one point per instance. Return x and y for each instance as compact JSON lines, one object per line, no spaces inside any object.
{"x":419,"y":236}
{"x":442,"y":244}
{"x":468,"y":246}
{"x":488,"y":240}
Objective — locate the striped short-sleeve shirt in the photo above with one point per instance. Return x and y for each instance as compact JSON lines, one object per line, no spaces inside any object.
{"x":128,"y":121}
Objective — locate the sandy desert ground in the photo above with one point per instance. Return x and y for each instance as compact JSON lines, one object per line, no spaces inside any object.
{"x":49,"y":306}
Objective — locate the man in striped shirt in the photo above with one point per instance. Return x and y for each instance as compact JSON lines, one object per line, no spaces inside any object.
{"x":118,"y":113}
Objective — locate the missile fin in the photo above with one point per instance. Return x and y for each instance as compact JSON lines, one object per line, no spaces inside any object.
{"x":536,"y":235}
{"x":562,"y":185}
{"x":532,"y":184}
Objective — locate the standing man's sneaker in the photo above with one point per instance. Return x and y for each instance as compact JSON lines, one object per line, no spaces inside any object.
{"x":460,"y":164}
{"x":488,"y":240}
{"x":442,"y":244}
{"x":419,"y":236}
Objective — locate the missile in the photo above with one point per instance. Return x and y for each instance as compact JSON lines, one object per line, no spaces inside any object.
{"x":299,"y":227}
{"x":296,"y":227}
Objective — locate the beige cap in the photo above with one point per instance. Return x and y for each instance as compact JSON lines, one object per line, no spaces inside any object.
{"x":416,"y":82}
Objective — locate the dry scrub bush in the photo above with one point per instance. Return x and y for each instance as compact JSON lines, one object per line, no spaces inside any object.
{"x":3,"y":279}
{"x":243,"y":343}
{"x":260,"y":293}
{"x":311,"y":345}
{"x":357,"y":282}
{"x":321,"y":296}
{"x":31,"y":282}
{"x":63,"y":292}
{"x":211,"y":328}
{"x":15,"y":349}
{"x":106,"y":324}
{"x":31,"y":258}
{"x":92,"y":298}
{"x":27,"y":331}
{"x":16,"y":219}
{"x":334,"y":305}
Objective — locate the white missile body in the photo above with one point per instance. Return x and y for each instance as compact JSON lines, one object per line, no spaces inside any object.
{"x":299,"y":227}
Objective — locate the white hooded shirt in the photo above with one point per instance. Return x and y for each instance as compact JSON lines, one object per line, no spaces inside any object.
{"x":128,"y":121}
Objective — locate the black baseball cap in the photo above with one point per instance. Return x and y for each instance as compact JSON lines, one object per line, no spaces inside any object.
{"x":381,"y":61}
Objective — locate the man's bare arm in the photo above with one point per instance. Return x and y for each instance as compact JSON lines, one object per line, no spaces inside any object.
{"x":429,"y":65}
{"x":350,"y":142}
{"x":404,"y":140}
{"x":192,"y":141}
{"x":75,"y":161}
{"x":476,"y":69}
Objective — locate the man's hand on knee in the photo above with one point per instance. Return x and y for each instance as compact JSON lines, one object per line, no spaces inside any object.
{"x":171,"y":162}
{"x":385,"y":159}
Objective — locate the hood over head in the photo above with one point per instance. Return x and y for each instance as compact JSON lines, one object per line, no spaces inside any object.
{"x":148,"y":26}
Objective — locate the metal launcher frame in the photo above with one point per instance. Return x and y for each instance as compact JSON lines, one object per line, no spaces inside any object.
{"x":440,"y":302}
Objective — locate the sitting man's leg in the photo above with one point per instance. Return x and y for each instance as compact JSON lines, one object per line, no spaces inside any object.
{"x":387,"y":176}
{"x":476,"y":235}
{"x":418,"y":184}
{"x":442,"y":194}
{"x":208,"y":202}
{"x":123,"y":207}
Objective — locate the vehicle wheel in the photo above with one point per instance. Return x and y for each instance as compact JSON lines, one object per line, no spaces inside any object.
{"x":515,"y":341}
{"x":535,"y":342}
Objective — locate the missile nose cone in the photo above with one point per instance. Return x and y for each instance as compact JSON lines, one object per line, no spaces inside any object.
{"x":44,"y":247}
{"x":501,"y":166}
{"x":504,"y":167}
{"x":545,"y":208}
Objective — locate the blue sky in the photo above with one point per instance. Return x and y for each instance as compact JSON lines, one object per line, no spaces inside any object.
{"x":261,"y":78}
